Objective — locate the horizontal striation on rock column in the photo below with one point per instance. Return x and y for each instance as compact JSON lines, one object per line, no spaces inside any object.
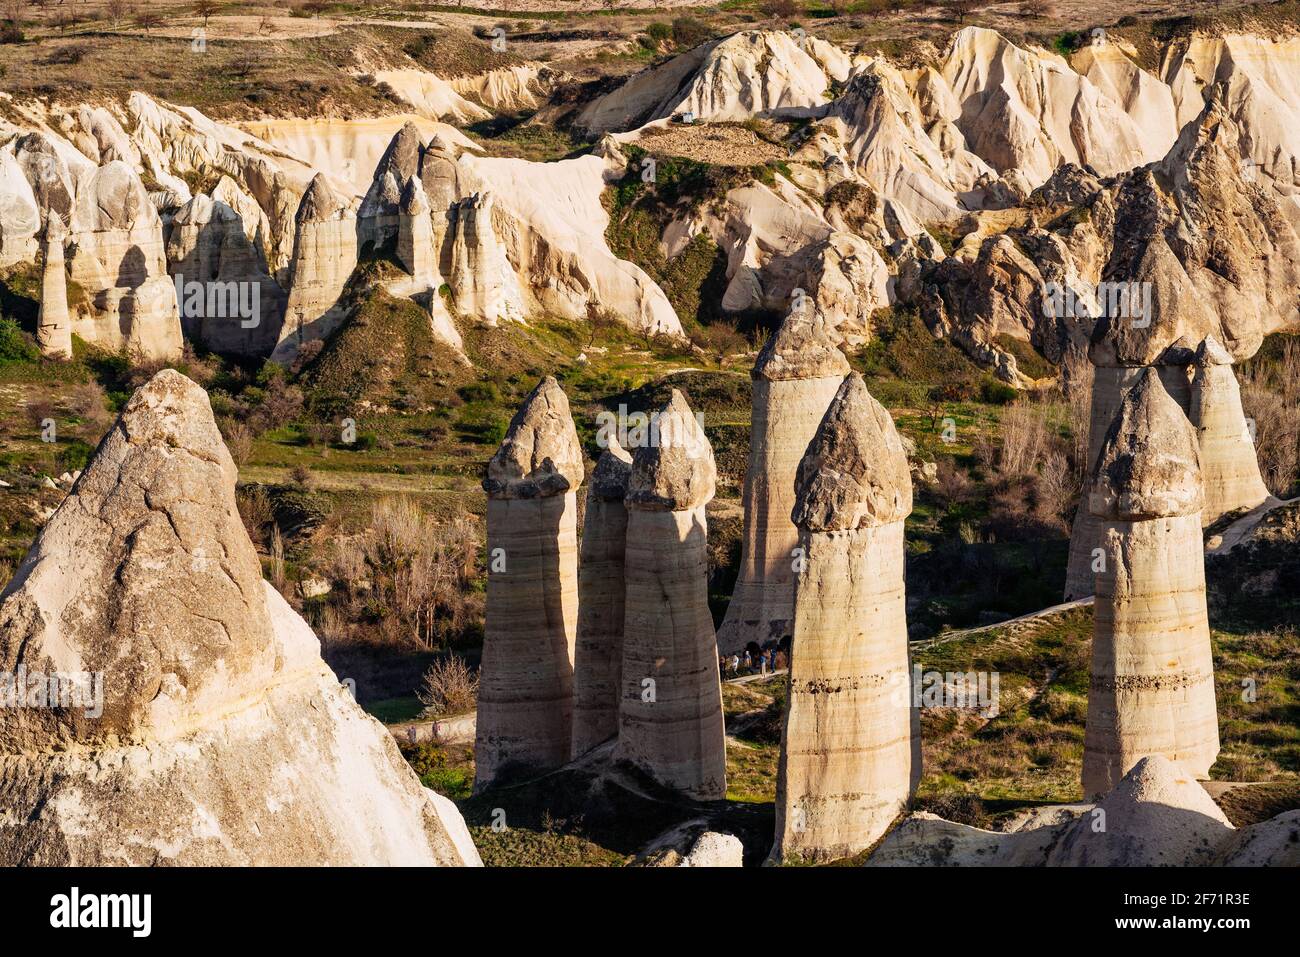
{"x":1229,"y":465}
{"x":525,"y":702}
{"x":1152,"y":680}
{"x":598,"y":653}
{"x":670,"y":709}
{"x":850,"y":746}
{"x":794,"y":379}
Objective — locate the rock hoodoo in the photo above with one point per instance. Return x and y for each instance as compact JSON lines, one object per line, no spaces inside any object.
{"x":598,"y":654}
{"x":201,"y":726}
{"x":53,"y":326}
{"x":119,"y":260}
{"x":1121,"y":350}
{"x":1152,"y":687}
{"x":670,"y":712}
{"x":324,"y":255}
{"x":1229,"y":466}
{"x":796,"y":376}
{"x":851,"y":745}
{"x":482,"y":280}
{"x":525,"y":701}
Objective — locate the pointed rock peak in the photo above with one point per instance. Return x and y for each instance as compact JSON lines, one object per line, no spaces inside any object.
{"x":1157,"y":815}
{"x":1150,"y":465}
{"x":415,"y":202}
{"x":55,"y":231}
{"x":145,"y":573}
{"x":613,"y":469}
{"x":541,"y":454}
{"x":1157,"y":782}
{"x":1210,"y":353}
{"x":673,"y":470}
{"x":801,"y":348}
{"x":402,"y":156}
{"x":320,"y":202}
{"x":855,"y":472}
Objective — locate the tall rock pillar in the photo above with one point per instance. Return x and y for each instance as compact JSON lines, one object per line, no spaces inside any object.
{"x":1229,"y":466}
{"x":598,"y":655}
{"x":1152,"y":687}
{"x":1120,"y":356}
{"x":525,"y":702}
{"x":795,"y":378}
{"x":851,"y":745}
{"x":670,"y":712}
{"x":54,"y":325}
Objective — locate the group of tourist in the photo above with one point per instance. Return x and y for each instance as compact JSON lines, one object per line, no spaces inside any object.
{"x":755,"y":660}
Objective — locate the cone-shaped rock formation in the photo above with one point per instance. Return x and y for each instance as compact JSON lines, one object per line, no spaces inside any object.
{"x":851,"y":746}
{"x":198,"y":723}
{"x":670,"y":712}
{"x":53,"y":326}
{"x":525,"y":701}
{"x":796,"y":376}
{"x":1152,"y":687}
{"x":324,"y":255}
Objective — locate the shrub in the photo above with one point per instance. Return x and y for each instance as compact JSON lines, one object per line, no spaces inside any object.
{"x":15,"y":346}
{"x":448,"y":687}
{"x":691,"y":31}
{"x":997,"y":393}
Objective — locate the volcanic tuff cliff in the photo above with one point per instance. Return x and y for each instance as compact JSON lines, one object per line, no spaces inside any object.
{"x":1073,"y":171}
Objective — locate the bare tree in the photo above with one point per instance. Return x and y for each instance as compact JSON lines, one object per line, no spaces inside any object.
{"x":205,"y":9}
{"x":116,"y":10}
{"x":963,"y":8}
{"x":147,"y":19}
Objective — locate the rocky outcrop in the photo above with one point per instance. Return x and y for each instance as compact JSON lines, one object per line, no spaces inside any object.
{"x":119,"y":260}
{"x":525,"y":700}
{"x":201,"y":726}
{"x":483,"y":283}
{"x":1029,"y":112}
{"x":1157,"y":816}
{"x":797,"y":374}
{"x":228,"y":300}
{"x":20,"y":217}
{"x":324,"y":255}
{"x":851,"y":746}
{"x":1152,"y":685}
{"x":670,"y":711}
{"x":53,"y":325}
{"x":1229,"y":467}
{"x":377,"y":219}
{"x":415,"y":248}
{"x":755,"y":72}
{"x":598,"y":654}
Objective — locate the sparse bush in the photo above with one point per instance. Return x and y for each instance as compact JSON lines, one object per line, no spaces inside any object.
{"x":448,"y":687}
{"x":780,"y":9}
{"x":255,"y":510}
{"x":14,"y":345}
{"x":691,"y":31}
{"x":1025,"y":440}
